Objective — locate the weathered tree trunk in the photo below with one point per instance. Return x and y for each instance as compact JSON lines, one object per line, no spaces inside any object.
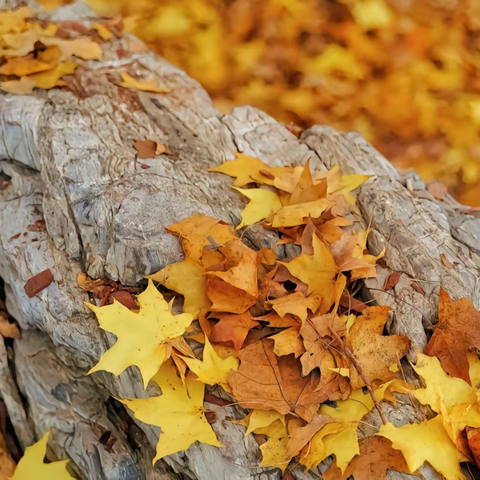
{"x":68,"y":159}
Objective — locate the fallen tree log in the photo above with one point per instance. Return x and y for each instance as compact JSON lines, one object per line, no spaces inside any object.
{"x":76,"y":200}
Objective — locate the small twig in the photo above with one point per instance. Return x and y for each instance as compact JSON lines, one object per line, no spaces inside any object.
{"x":401,"y":300}
{"x":358,"y":368}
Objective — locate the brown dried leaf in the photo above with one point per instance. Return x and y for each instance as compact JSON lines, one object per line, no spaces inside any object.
{"x":446,"y":261}
{"x":232,"y":328}
{"x":300,"y":436}
{"x":265,"y":382}
{"x":373,"y":351}
{"x":392,"y":280}
{"x":457,"y":330}
{"x":437,"y":189}
{"x":376,"y":457}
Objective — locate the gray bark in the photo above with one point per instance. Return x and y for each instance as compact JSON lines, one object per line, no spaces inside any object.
{"x":69,"y":158}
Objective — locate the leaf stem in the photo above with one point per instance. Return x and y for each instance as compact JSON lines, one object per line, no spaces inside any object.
{"x":358,"y":367}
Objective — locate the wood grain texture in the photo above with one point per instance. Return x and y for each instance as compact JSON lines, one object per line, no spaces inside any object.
{"x":70,"y":161}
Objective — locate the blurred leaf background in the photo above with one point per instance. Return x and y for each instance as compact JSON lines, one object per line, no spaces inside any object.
{"x":404,"y":73}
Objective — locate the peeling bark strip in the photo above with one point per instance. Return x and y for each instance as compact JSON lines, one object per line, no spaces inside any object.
{"x":70,"y":159}
{"x":37,"y":283}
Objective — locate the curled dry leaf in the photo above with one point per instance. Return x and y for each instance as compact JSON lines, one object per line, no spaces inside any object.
{"x":149,"y":148}
{"x":301,"y":435}
{"x":235,"y":290}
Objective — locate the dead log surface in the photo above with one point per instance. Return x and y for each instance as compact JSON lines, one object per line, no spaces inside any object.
{"x":68,"y":157}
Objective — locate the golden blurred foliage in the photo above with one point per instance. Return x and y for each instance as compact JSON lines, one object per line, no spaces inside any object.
{"x":404,"y":73}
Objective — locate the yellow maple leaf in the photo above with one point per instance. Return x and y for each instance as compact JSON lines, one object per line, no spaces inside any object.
{"x":212,"y":370}
{"x":339,"y":184}
{"x":441,"y":388}
{"x":372,"y":14}
{"x":178,"y":412}
{"x":13,"y":21}
{"x":148,"y":85}
{"x":262,"y":203}
{"x":454,"y":398}
{"x":31,"y":63}
{"x":142,"y":336}
{"x":24,"y":86}
{"x":288,"y":341}
{"x":31,"y":464}
{"x":426,"y":442}
{"x":187,"y":278}
{"x":274,"y":450}
{"x":197,"y":230}
{"x":300,"y":213}
{"x":248,"y":169}
{"x":295,"y":304}
{"x":316,"y":449}
{"x":318,"y":271}
{"x":52,"y":78}
{"x":340,"y":439}
{"x":103,"y":31}
{"x":83,"y":47}
{"x":262,"y":418}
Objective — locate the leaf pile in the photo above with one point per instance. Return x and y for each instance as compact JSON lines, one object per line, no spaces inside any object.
{"x":40,"y":54}
{"x":275,"y":335}
{"x":403,"y":74}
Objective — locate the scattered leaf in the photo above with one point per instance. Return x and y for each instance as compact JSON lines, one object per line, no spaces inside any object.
{"x":103,"y":31}
{"x":84,"y":47}
{"x":391,"y":281}
{"x":149,"y":85}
